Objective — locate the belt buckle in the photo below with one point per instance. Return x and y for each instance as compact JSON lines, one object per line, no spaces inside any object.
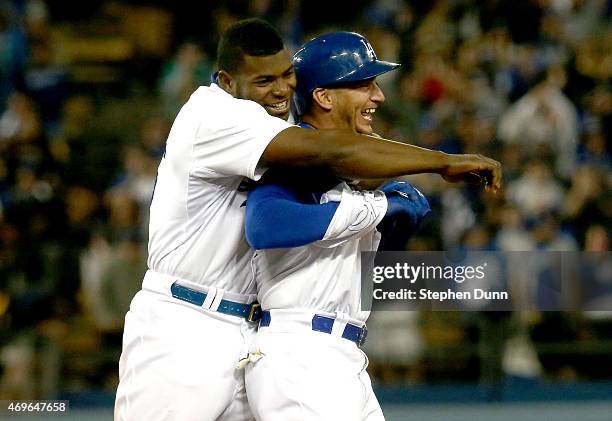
{"x":254,"y":312}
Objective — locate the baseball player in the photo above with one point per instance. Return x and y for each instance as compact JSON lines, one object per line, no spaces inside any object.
{"x":196,"y":313}
{"x":310,"y":232}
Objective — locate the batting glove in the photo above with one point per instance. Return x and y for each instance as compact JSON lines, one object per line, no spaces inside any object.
{"x":404,"y":199}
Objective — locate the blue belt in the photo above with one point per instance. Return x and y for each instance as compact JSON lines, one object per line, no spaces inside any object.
{"x":251,"y":312}
{"x":325,"y":324}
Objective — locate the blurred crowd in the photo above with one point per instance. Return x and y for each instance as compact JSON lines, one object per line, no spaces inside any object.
{"x":88,"y":95}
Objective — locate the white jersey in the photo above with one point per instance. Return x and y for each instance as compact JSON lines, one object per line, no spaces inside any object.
{"x":325,"y":275}
{"x":196,"y":230}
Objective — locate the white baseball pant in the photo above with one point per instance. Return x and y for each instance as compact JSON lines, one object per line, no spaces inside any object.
{"x":299,"y":374}
{"x":179,"y":362}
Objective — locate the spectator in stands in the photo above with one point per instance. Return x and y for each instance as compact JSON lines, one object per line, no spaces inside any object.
{"x":512,"y":234}
{"x":188,"y":69}
{"x":20,"y":123}
{"x":45,"y":82}
{"x":536,"y":191}
{"x":12,"y":51}
{"x":544,"y":116}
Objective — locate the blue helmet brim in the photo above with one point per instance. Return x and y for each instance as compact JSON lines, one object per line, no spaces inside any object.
{"x":368,"y":71}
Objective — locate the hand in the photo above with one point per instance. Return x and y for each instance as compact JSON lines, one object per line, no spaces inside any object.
{"x":474,"y":169}
{"x":405,"y":199}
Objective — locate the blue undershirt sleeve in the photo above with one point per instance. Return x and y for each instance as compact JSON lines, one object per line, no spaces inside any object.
{"x":275,"y":218}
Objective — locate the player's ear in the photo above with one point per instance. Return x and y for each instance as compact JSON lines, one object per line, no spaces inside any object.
{"x":323,"y":98}
{"x":227,"y":83}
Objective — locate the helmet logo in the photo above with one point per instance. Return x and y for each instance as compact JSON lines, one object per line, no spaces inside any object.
{"x":369,"y":50}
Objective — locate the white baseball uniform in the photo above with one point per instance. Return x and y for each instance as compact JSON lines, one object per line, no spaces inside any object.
{"x":296,"y":373}
{"x":178,"y":358}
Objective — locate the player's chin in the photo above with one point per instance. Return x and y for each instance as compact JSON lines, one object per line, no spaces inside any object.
{"x":280,"y":114}
{"x":364,"y":127}
{"x":284,"y":115}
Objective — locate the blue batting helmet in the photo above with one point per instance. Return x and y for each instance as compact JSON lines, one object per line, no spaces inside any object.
{"x":333,"y":58}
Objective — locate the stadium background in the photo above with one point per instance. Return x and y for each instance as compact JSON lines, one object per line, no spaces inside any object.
{"x":88,"y":93}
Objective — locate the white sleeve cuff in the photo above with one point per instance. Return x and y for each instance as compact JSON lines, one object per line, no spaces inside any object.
{"x":358,"y":214}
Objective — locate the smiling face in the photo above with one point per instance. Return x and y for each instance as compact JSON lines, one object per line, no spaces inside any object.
{"x":267,"y":80}
{"x":353,"y":105}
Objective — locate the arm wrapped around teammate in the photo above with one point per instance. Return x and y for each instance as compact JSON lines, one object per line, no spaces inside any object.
{"x":275,"y":218}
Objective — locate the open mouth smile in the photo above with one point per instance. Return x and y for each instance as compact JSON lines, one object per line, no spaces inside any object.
{"x":279,"y":107}
{"x":368,"y":113}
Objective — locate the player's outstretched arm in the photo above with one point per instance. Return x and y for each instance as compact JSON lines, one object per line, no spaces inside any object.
{"x":359,"y":156}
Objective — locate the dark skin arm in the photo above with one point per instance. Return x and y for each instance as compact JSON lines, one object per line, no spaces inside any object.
{"x":353,"y":155}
